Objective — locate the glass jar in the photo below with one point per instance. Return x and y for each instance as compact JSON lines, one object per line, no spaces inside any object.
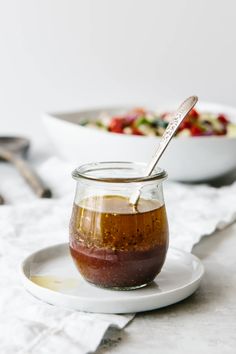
{"x":113,"y":243}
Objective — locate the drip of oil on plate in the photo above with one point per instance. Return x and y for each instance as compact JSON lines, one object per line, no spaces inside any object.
{"x":54,"y":283}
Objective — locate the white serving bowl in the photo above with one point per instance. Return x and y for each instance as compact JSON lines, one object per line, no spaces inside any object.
{"x":189,"y":159}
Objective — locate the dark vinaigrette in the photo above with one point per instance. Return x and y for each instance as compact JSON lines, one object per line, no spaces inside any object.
{"x":115,"y":246}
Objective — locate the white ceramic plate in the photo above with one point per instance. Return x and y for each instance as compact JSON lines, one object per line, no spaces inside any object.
{"x":50,"y":275}
{"x":186,"y":158}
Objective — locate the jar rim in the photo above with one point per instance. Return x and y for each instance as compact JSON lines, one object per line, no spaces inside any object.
{"x":83,"y":170}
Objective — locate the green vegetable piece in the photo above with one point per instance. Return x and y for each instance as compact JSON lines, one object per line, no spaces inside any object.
{"x":99,"y":124}
{"x":141,"y":121}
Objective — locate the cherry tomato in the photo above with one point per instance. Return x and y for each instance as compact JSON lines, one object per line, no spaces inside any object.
{"x":223,"y":119}
{"x":116,"y":125}
{"x":135,"y":131}
{"x":193,"y":114}
{"x":196,"y":131}
{"x":186,"y":124}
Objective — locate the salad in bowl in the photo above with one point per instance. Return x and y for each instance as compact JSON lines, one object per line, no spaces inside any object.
{"x":140,"y":121}
{"x":203,"y":149}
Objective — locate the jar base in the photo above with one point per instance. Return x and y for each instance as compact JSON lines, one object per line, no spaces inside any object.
{"x":120,"y":288}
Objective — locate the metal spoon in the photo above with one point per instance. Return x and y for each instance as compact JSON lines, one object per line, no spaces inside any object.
{"x":1,"y":200}
{"x":176,"y":119}
{"x":14,"y":150}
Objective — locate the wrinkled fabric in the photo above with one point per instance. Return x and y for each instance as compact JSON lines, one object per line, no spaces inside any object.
{"x":27,"y":224}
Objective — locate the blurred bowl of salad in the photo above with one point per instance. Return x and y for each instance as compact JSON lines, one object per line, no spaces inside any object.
{"x":203,"y":148}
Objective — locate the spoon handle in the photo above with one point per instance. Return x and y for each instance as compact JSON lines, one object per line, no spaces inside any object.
{"x":176,"y":118}
{"x":1,"y":200}
{"x":27,"y":172}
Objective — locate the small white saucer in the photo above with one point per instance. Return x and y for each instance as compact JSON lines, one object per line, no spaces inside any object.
{"x":50,"y":275}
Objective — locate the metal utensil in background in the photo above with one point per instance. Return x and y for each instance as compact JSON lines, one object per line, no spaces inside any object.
{"x":14,"y":150}
{"x":1,"y":200}
{"x":176,"y":118}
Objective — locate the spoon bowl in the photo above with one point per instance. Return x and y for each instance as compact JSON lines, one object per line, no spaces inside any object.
{"x":15,"y":150}
{"x":16,"y":145}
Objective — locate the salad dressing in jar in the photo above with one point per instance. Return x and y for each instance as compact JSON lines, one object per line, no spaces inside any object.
{"x":114,"y":244}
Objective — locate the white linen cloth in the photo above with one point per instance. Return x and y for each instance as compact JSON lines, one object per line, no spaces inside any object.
{"x":26,"y":224}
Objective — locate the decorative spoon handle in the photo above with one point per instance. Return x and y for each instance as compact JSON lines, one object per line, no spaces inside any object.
{"x":176,"y":118}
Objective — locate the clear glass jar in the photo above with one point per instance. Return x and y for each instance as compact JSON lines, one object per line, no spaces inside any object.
{"x":113,"y":243}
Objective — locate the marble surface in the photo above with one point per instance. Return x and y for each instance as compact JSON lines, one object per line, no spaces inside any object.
{"x":203,"y":323}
